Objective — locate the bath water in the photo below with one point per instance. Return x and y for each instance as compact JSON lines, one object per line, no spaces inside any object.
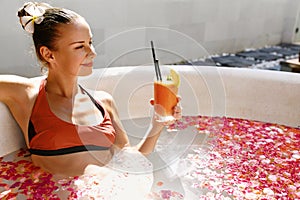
{"x":223,"y":158}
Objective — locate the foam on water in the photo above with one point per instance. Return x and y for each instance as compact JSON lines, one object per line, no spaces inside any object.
{"x":208,"y":158}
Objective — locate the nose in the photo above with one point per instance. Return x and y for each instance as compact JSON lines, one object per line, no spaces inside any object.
{"x":92,"y":53}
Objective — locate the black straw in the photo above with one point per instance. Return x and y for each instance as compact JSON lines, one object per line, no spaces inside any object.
{"x":156,"y":65}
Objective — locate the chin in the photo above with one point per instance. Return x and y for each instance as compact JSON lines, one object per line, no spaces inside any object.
{"x":85,"y":71}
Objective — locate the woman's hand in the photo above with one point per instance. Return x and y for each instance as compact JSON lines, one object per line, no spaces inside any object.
{"x":147,"y":145}
{"x":177,"y":110}
{"x":177,"y":114}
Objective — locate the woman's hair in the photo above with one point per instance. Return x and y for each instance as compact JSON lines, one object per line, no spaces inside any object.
{"x":43,"y":20}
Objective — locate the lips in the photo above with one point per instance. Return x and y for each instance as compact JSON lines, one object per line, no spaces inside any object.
{"x":90,"y":64}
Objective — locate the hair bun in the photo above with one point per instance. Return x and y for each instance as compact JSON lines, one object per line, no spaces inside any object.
{"x":32,"y":13}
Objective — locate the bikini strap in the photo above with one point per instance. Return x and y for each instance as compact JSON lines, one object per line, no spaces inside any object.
{"x":93,"y":100}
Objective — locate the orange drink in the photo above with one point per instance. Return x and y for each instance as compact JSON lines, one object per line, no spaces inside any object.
{"x":165,"y":96}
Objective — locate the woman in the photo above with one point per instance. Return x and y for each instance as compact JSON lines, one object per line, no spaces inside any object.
{"x":66,"y":129}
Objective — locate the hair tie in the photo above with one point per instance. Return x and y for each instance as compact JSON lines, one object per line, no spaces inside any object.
{"x":35,"y":15}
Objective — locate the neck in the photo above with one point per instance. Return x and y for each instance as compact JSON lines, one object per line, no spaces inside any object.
{"x":64,"y":87}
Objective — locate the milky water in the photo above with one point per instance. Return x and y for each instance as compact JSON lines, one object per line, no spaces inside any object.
{"x":207,"y":158}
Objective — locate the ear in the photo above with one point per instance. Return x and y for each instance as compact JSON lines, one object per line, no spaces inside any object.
{"x":46,"y":53}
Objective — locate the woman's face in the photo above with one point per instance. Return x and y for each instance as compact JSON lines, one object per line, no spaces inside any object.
{"x":74,"y":52}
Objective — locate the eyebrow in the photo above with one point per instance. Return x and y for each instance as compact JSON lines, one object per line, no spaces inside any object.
{"x":76,"y":42}
{"x":80,"y":41}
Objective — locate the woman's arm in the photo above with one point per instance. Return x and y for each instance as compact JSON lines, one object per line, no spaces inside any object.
{"x":147,"y":145}
{"x":18,"y":94}
{"x":13,"y":95}
{"x":11,"y":86}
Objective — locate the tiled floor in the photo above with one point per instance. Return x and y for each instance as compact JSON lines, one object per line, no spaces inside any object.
{"x":269,"y":58}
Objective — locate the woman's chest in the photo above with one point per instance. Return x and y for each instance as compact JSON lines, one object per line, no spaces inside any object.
{"x":80,"y":110}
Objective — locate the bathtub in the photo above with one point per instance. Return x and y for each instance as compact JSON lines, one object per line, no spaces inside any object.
{"x":267,"y":96}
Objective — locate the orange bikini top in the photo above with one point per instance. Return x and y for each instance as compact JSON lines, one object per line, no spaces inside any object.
{"x":50,"y":135}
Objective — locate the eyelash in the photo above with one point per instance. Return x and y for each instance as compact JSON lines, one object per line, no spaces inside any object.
{"x":80,"y":47}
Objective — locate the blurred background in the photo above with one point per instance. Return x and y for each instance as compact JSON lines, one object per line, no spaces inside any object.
{"x":181,"y":29}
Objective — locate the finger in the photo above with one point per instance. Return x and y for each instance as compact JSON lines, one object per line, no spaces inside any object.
{"x":177,"y":112}
{"x":177,"y":108}
{"x":177,"y":116}
{"x":178,"y":98}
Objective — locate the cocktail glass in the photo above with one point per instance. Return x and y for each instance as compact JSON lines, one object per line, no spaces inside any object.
{"x":165,"y":94}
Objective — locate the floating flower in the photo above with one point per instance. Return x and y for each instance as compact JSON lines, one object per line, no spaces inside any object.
{"x":242,"y":159}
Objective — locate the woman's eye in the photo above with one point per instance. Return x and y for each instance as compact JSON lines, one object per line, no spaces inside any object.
{"x":79,"y":47}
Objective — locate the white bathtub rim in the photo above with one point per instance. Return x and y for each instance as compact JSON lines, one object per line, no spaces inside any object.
{"x":279,"y":106}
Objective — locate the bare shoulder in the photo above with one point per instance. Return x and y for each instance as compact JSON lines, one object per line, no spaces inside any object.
{"x":107,"y":100}
{"x":103,"y":96}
